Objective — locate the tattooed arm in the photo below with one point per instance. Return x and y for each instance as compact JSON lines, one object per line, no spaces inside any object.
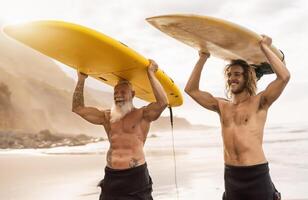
{"x":92,"y":115}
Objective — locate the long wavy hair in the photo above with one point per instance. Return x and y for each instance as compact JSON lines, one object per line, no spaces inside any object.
{"x":249,"y":77}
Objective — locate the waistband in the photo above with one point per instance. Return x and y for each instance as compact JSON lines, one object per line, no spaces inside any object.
{"x":125,"y":181}
{"x":140,"y":168}
{"x":246,"y":171}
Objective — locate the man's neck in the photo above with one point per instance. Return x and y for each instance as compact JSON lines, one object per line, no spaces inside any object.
{"x":240,"y":97}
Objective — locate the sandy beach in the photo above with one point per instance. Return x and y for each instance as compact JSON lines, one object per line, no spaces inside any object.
{"x":71,"y":173}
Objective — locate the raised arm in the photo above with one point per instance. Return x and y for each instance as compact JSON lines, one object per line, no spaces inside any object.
{"x":152,"y":111}
{"x":205,"y":99}
{"x":275,"y":88}
{"x":92,"y":115}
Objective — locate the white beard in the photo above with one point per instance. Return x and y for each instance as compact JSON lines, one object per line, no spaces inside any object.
{"x":118,"y":112}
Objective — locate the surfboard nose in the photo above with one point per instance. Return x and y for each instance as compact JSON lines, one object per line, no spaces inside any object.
{"x":92,"y":53}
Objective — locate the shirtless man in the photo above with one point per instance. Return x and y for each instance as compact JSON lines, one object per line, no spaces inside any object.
{"x":126,"y":173}
{"x":242,"y":119}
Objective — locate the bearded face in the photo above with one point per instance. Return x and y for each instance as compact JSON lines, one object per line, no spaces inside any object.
{"x":236,"y":80}
{"x":123,"y":96}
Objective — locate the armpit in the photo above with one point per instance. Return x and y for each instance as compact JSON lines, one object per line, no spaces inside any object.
{"x":107,"y":115}
{"x":263,"y":102}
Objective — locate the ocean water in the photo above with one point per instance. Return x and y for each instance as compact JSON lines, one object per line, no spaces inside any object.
{"x":195,"y":172}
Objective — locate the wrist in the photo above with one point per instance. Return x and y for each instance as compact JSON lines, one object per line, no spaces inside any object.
{"x":151,"y":73}
{"x":263,"y":45}
{"x":152,"y":70}
{"x":81,"y":80}
{"x":204,"y":57}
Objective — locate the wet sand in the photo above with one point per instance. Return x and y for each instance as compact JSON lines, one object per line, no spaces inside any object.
{"x":72,"y":173}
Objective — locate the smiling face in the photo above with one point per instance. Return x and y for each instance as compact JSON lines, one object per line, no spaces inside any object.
{"x":240,"y":77}
{"x":235,"y":78}
{"x":123,"y":93}
{"x":123,"y":101}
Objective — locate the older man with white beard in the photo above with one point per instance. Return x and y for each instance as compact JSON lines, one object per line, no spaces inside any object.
{"x":126,"y":173}
{"x":120,"y":107}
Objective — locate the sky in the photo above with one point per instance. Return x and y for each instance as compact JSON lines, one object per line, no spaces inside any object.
{"x":283,"y":20}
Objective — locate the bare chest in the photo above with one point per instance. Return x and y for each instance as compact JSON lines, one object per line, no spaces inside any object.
{"x":239,"y":115}
{"x":130,"y":125}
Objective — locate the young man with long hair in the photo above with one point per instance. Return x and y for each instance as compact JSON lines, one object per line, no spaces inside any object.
{"x":242,"y":117}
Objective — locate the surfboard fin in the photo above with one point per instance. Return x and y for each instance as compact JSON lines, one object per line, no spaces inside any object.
{"x":265,"y":68}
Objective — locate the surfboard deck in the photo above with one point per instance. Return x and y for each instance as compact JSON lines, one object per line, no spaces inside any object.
{"x":93,"y":53}
{"x":221,"y":38}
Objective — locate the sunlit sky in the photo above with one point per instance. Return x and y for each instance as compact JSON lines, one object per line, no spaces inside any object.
{"x":284,"y":20}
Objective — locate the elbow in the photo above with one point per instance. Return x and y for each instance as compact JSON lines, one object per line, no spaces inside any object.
{"x":164,"y":104}
{"x":76,"y":110}
{"x":188,"y":90}
{"x":286,"y":77}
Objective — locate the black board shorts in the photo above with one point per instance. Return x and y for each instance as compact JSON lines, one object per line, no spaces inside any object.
{"x":249,"y":183}
{"x":128,"y":184}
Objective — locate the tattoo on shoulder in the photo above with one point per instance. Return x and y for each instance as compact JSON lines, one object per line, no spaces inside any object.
{"x":133,"y":163}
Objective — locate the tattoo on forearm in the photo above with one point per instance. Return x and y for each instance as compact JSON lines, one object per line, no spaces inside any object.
{"x":133,"y":163}
{"x":78,"y":99}
{"x":109,"y":158}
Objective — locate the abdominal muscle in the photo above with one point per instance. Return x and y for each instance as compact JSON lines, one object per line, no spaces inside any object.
{"x":243,"y":147}
{"x":126,"y":151}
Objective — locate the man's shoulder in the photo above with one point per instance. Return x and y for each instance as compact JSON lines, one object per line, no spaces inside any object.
{"x":137,"y":112}
{"x":106,"y":113}
{"x":141,"y":109}
{"x":222,"y":100}
{"x":257,"y":97}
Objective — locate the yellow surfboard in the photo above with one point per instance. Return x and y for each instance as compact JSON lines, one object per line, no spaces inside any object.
{"x":93,"y":53}
{"x":221,"y":38}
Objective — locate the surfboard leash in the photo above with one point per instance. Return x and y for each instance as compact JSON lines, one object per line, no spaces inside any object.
{"x":173,"y":149}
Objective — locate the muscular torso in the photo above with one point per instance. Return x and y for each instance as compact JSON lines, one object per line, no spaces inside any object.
{"x":242,"y":131}
{"x":127,"y":137}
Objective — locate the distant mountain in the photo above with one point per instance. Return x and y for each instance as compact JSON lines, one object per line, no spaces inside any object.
{"x":35,"y":94}
{"x":179,"y":123}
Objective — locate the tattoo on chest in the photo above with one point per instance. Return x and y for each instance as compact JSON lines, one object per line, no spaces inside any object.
{"x":133,"y":163}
